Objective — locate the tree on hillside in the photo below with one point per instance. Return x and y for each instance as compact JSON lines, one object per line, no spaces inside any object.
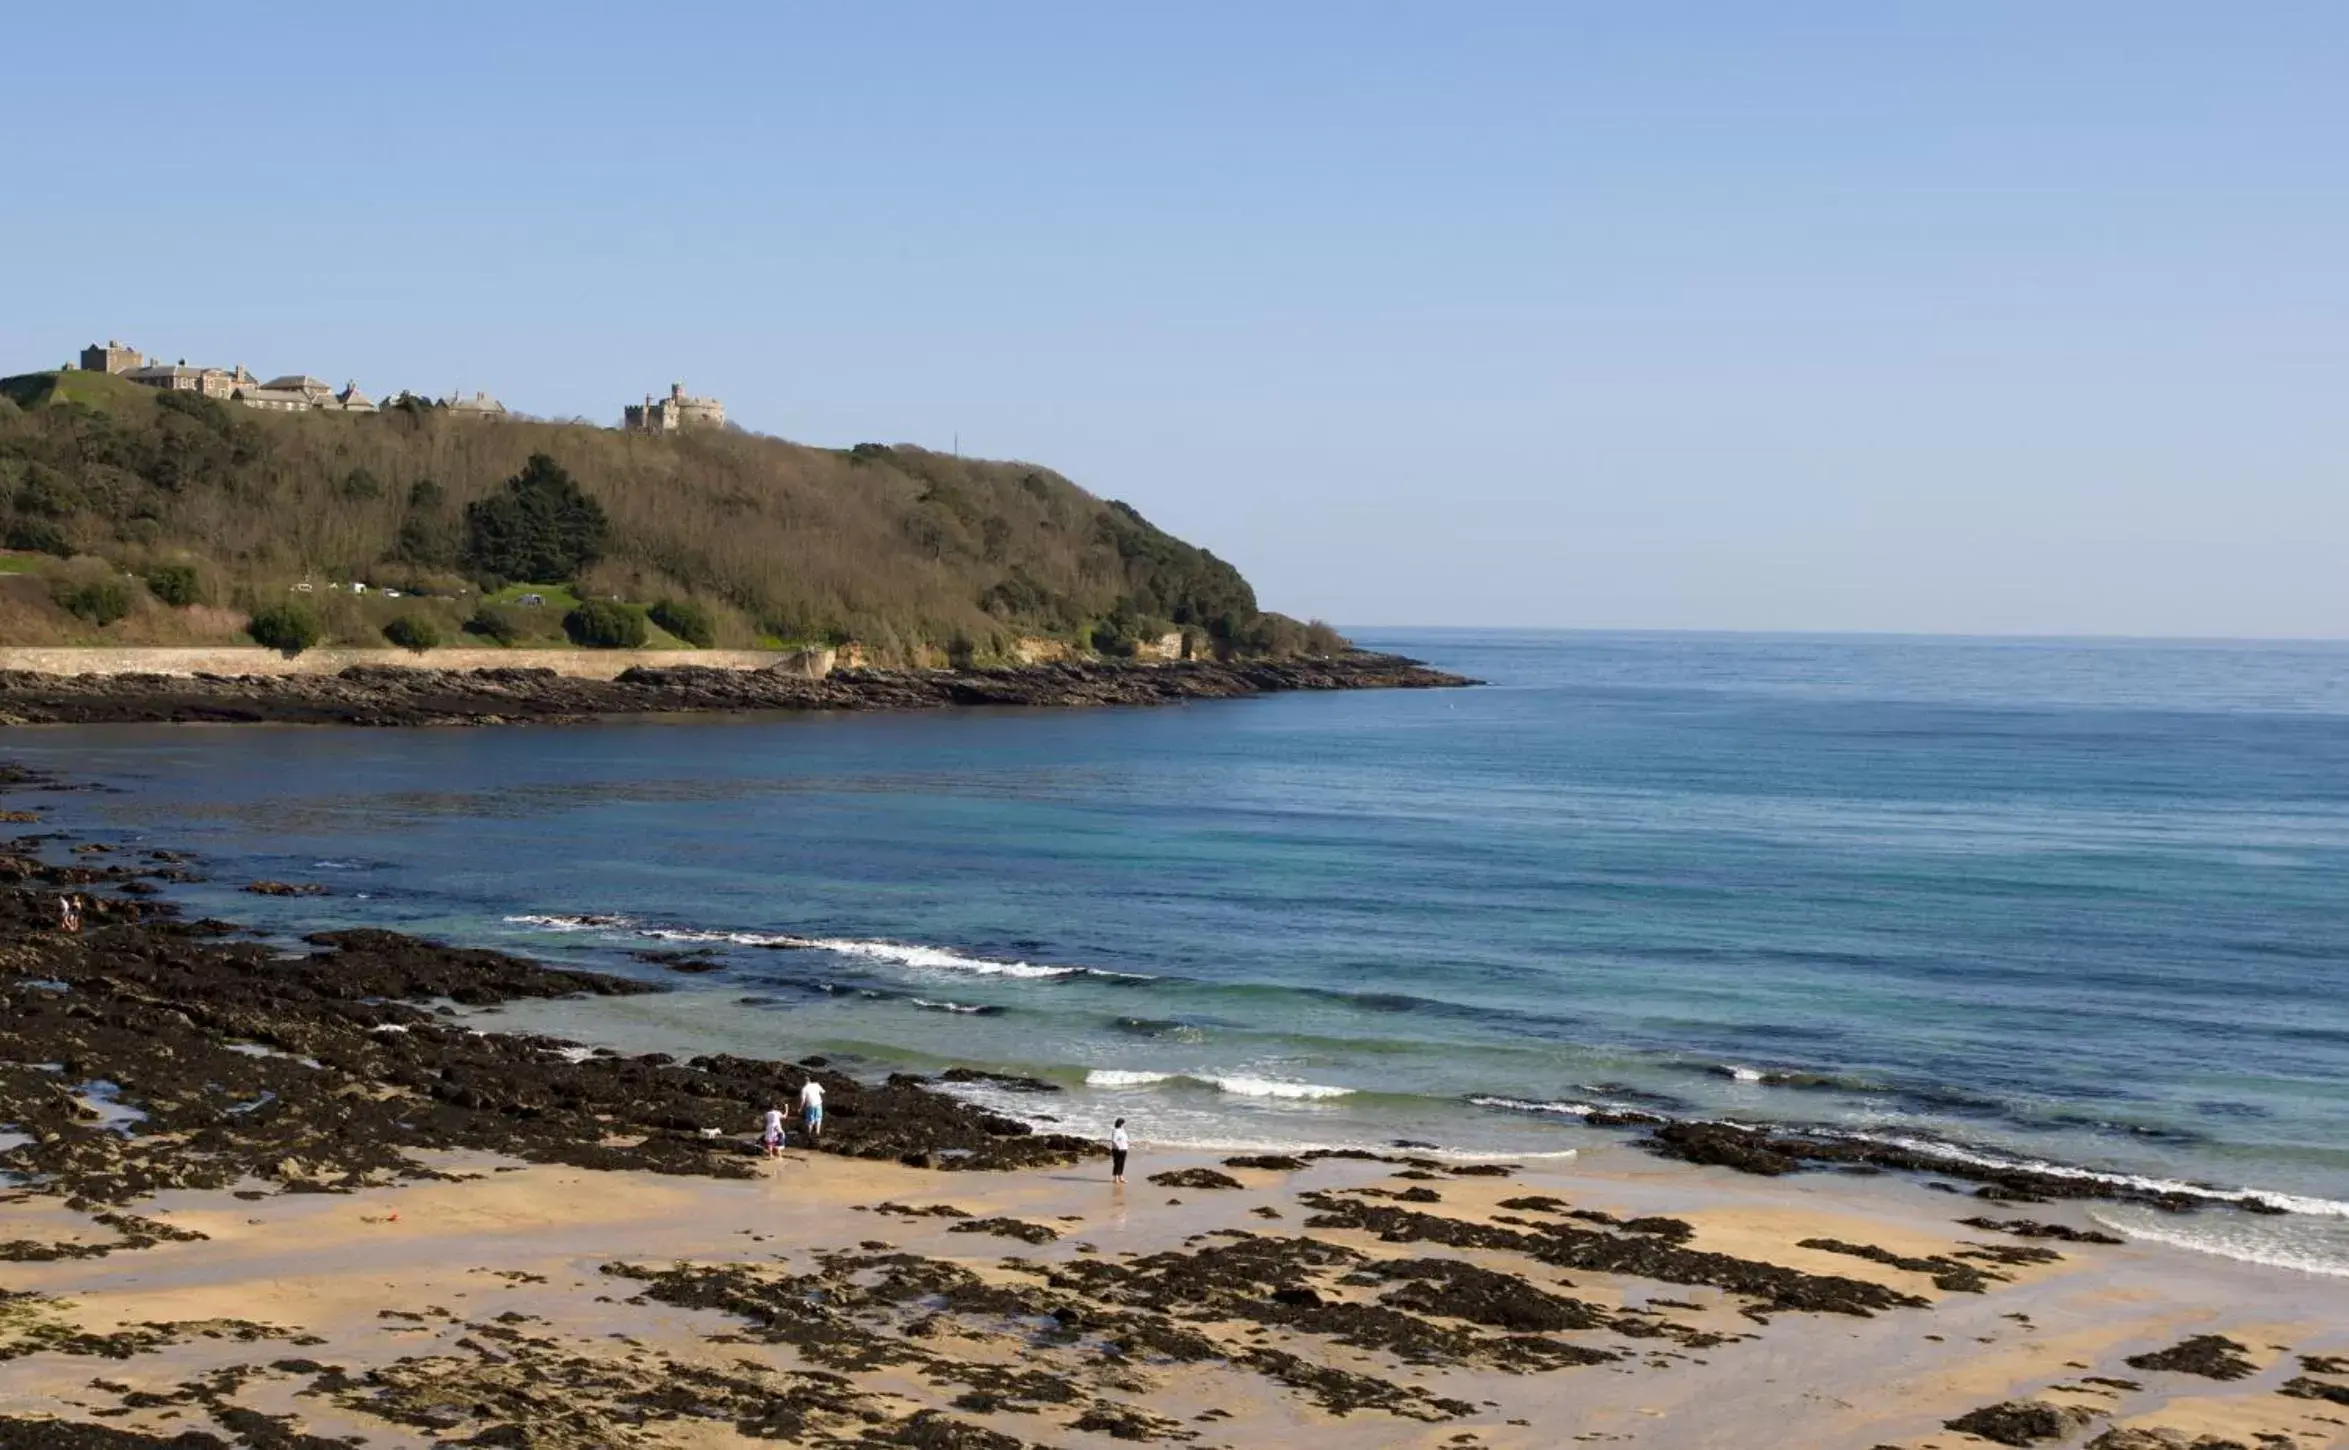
{"x":428,"y":530}
{"x":540,"y":527}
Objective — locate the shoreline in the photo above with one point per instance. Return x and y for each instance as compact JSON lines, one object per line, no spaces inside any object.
{"x":408,"y":694}
{"x":270,"y":1199}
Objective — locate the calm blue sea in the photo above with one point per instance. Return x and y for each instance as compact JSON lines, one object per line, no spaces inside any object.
{"x":2083,"y":903}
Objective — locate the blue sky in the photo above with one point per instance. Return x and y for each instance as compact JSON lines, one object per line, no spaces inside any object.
{"x":1987,"y":317}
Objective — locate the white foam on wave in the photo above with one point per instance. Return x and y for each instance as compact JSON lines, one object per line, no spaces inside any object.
{"x":903,"y":954}
{"x":1736,"y":1073}
{"x":932,"y":958}
{"x":1521,"y":1105}
{"x":1950,"y":1152}
{"x":1265,"y":1087}
{"x":1246,"y":1087}
{"x":945,"y":1006}
{"x":571,"y":923}
{"x":2273,"y":1242}
{"x":1119,"y":1077}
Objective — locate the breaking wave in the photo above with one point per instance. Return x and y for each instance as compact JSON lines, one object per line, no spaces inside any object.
{"x":901,"y":954}
{"x":974,"y":1010}
{"x":1978,"y":1158}
{"x":1246,"y":1087}
{"x":1521,"y":1105}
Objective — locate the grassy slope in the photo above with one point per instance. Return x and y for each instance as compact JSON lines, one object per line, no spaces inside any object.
{"x":913,"y":554}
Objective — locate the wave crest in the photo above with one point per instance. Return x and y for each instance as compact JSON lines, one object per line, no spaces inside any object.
{"x":1246,"y":1087}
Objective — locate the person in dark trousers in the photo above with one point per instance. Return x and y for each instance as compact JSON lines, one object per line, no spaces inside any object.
{"x":1119,"y":1146}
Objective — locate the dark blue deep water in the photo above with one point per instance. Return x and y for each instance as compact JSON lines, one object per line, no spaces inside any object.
{"x":2086,"y":903}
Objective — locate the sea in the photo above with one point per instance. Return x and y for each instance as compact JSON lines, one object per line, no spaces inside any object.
{"x":2069,"y":903}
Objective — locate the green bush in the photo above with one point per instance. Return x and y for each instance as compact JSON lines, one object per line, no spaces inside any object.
{"x":101,"y":601}
{"x":605,"y":624}
{"x":178,"y":585}
{"x":40,"y":536}
{"x":290,"y":627}
{"x":490,"y":624}
{"x":686,"y":620}
{"x":413,"y":631}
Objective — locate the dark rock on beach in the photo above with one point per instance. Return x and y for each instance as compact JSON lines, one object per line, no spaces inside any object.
{"x":2022,"y":1422}
{"x":324,"y":1071}
{"x":1752,"y":1150}
{"x":2213,"y":1356}
{"x":401,"y":695}
{"x":2030,"y":1229}
{"x":1200,"y":1178}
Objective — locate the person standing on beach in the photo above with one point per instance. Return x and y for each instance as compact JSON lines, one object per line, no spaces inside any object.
{"x":811,"y":1111}
{"x":772,"y":1138}
{"x":1119,"y":1146}
{"x":69,"y":914}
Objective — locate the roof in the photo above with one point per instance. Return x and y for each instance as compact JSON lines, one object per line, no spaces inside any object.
{"x":301,"y":381}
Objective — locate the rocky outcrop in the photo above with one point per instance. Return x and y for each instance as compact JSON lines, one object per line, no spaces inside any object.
{"x":403,"y":695}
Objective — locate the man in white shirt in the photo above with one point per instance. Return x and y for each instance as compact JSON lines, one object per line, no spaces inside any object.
{"x":811,"y":1110}
{"x":1119,"y":1146}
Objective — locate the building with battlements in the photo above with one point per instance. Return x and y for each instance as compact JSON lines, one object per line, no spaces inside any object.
{"x":667,"y":415}
{"x":112,"y":358}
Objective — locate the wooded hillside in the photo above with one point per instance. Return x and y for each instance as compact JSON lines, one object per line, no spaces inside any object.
{"x":216,"y":512}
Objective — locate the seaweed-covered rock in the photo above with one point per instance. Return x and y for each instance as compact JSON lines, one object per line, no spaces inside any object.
{"x":2025,"y":1228}
{"x":2306,"y":1387}
{"x":1008,"y":1228}
{"x":2022,"y":1422}
{"x":2213,"y":1356}
{"x":1200,"y":1178}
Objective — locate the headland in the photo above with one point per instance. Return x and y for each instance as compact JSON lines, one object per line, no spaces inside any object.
{"x":401,"y":694}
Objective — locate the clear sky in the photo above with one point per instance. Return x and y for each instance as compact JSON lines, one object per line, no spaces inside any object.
{"x":1983,"y":317}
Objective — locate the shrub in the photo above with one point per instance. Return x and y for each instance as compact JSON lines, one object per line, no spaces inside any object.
{"x":39,"y":536}
{"x":686,"y":620}
{"x":178,"y":585}
{"x":490,"y":624}
{"x":413,"y":631}
{"x":605,"y":624}
{"x":290,"y":627}
{"x":101,"y":601}
{"x":539,"y":527}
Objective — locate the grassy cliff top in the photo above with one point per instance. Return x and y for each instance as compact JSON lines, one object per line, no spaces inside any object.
{"x":914,"y":554}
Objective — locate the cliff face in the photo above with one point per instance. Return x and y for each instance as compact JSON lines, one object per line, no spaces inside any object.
{"x":917,"y":556}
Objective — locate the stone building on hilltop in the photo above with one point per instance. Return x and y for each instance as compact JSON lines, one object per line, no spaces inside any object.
{"x":667,"y":415}
{"x":221,"y":383}
{"x":112,"y":358}
{"x":480,"y":405}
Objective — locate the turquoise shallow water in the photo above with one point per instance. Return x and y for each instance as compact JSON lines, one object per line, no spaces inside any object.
{"x":2080,"y":903}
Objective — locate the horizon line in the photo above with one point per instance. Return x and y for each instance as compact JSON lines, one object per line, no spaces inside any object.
{"x":2072,"y":637}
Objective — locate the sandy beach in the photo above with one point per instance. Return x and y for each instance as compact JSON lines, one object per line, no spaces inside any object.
{"x":546,"y":1305}
{"x":268,"y":1198}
